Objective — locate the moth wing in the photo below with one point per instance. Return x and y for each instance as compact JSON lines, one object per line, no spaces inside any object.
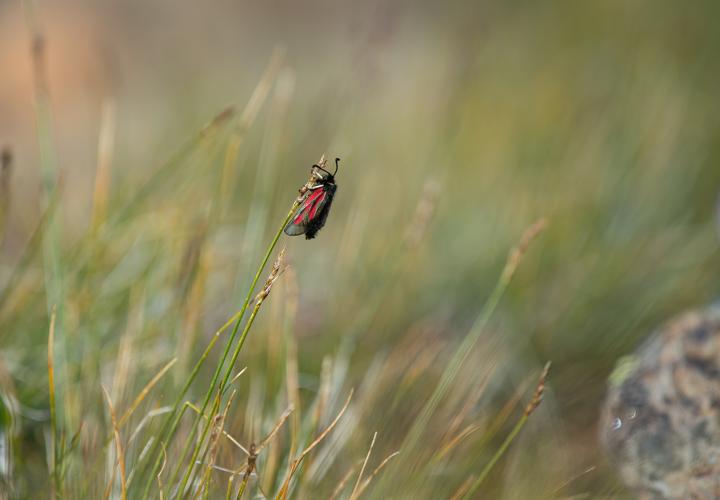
{"x":307,"y":212}
{"x":295,"y":229}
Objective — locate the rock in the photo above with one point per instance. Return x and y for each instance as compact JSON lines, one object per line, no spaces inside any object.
{"x":660,"y":423}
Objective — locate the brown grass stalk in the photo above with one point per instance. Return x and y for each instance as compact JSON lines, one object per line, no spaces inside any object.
{"x":144,"y":392}
{"x":282,"y":494}
{"x":341,"y":485}
{"x":375,"y":473}
{"x":119,"y":447}
{"x":362,"y":469}
{"x":212,"y":446}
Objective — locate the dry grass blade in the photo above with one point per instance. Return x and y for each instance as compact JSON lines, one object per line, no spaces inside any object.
{"x":139,"y":399}
{"x":151,"y":414}
{"x":249,"y":469}
{"x":282,"y":494}
{"x":517,"y":253}
{"x":212,"y":446}
{"x":118,"y":445}
{"x":471,"y":402}
{"x":286,"y":414}
{"x":226,"y":434}
{"x":464,"y":487}
{"x":234,"y":379}
{"x":341,"y":485}
{"x":159,"y":474}
{"x":502,"y":416}
{"x":362,"y":469}
{"x":460,"y":437}
{"x":252,"y":453}
{"x":574,"y":478}
{"x":375,"y":473}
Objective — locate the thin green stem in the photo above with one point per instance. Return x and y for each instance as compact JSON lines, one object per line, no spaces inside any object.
{"x":241,"y":490}
{"x":171,"y":422}
{"x":236,"y":353}
{"x":463,"y":351}
{"x":456,"y":363}
{"x":498,"y":454}
{"x":51,"y":234}
{"x":228,"y":493}
{"x":53,"y":412}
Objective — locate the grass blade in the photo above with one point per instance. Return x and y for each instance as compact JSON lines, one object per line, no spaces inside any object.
{"x":529,"y":409}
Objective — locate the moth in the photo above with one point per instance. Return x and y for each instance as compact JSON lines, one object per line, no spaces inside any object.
{"x":310,"y":217}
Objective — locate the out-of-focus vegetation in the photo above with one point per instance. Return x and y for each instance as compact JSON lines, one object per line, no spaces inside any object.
{"x":142,"y":219}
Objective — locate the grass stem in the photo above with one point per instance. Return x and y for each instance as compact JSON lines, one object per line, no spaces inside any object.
{"x":529,"y":409}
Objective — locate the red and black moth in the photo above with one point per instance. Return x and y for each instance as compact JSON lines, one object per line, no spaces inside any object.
{"x":314,"y":209}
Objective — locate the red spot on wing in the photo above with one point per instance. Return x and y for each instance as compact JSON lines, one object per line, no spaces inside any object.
{"x":316,"y":204}
{"x":298,"y":220}
{"x":309,"y":207}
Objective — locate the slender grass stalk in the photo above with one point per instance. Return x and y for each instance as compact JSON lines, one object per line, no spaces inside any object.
{"x":343,"y":482}
{"x":248,"y":116}
{"x":529,"y":409}
{"x":228,"y":372}
{"x":284,"y":490}
{"x":159,"y":475}
{"x":212,"y":447}
{"x":191,"y":468}
{"x":118,"y":445}
{"x":241,"y":490}
{"x":228,"y":492}
{"x":172,"y":422}
{"x":170,"y":425}
{"x":52,"y":266}
{"x":362,"y":469}
{"x":463,"y":351}
{"x":53,"y":413}
{"x":48,"y":163}
{"x":377,"y":470}
{"x":144,"y":392}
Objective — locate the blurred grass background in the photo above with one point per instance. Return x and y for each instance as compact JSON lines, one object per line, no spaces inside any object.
{"x":459,"y":124}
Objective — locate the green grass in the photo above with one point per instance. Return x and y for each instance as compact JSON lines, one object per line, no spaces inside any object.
{"x":457,"y":129}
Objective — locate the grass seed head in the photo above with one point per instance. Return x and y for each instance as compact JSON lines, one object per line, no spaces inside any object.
{"x":539,"y":390}
{"x":278,"y":268}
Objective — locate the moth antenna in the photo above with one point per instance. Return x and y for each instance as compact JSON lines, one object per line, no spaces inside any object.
{"x":337,"y":165}
{"x":320,"y":168}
